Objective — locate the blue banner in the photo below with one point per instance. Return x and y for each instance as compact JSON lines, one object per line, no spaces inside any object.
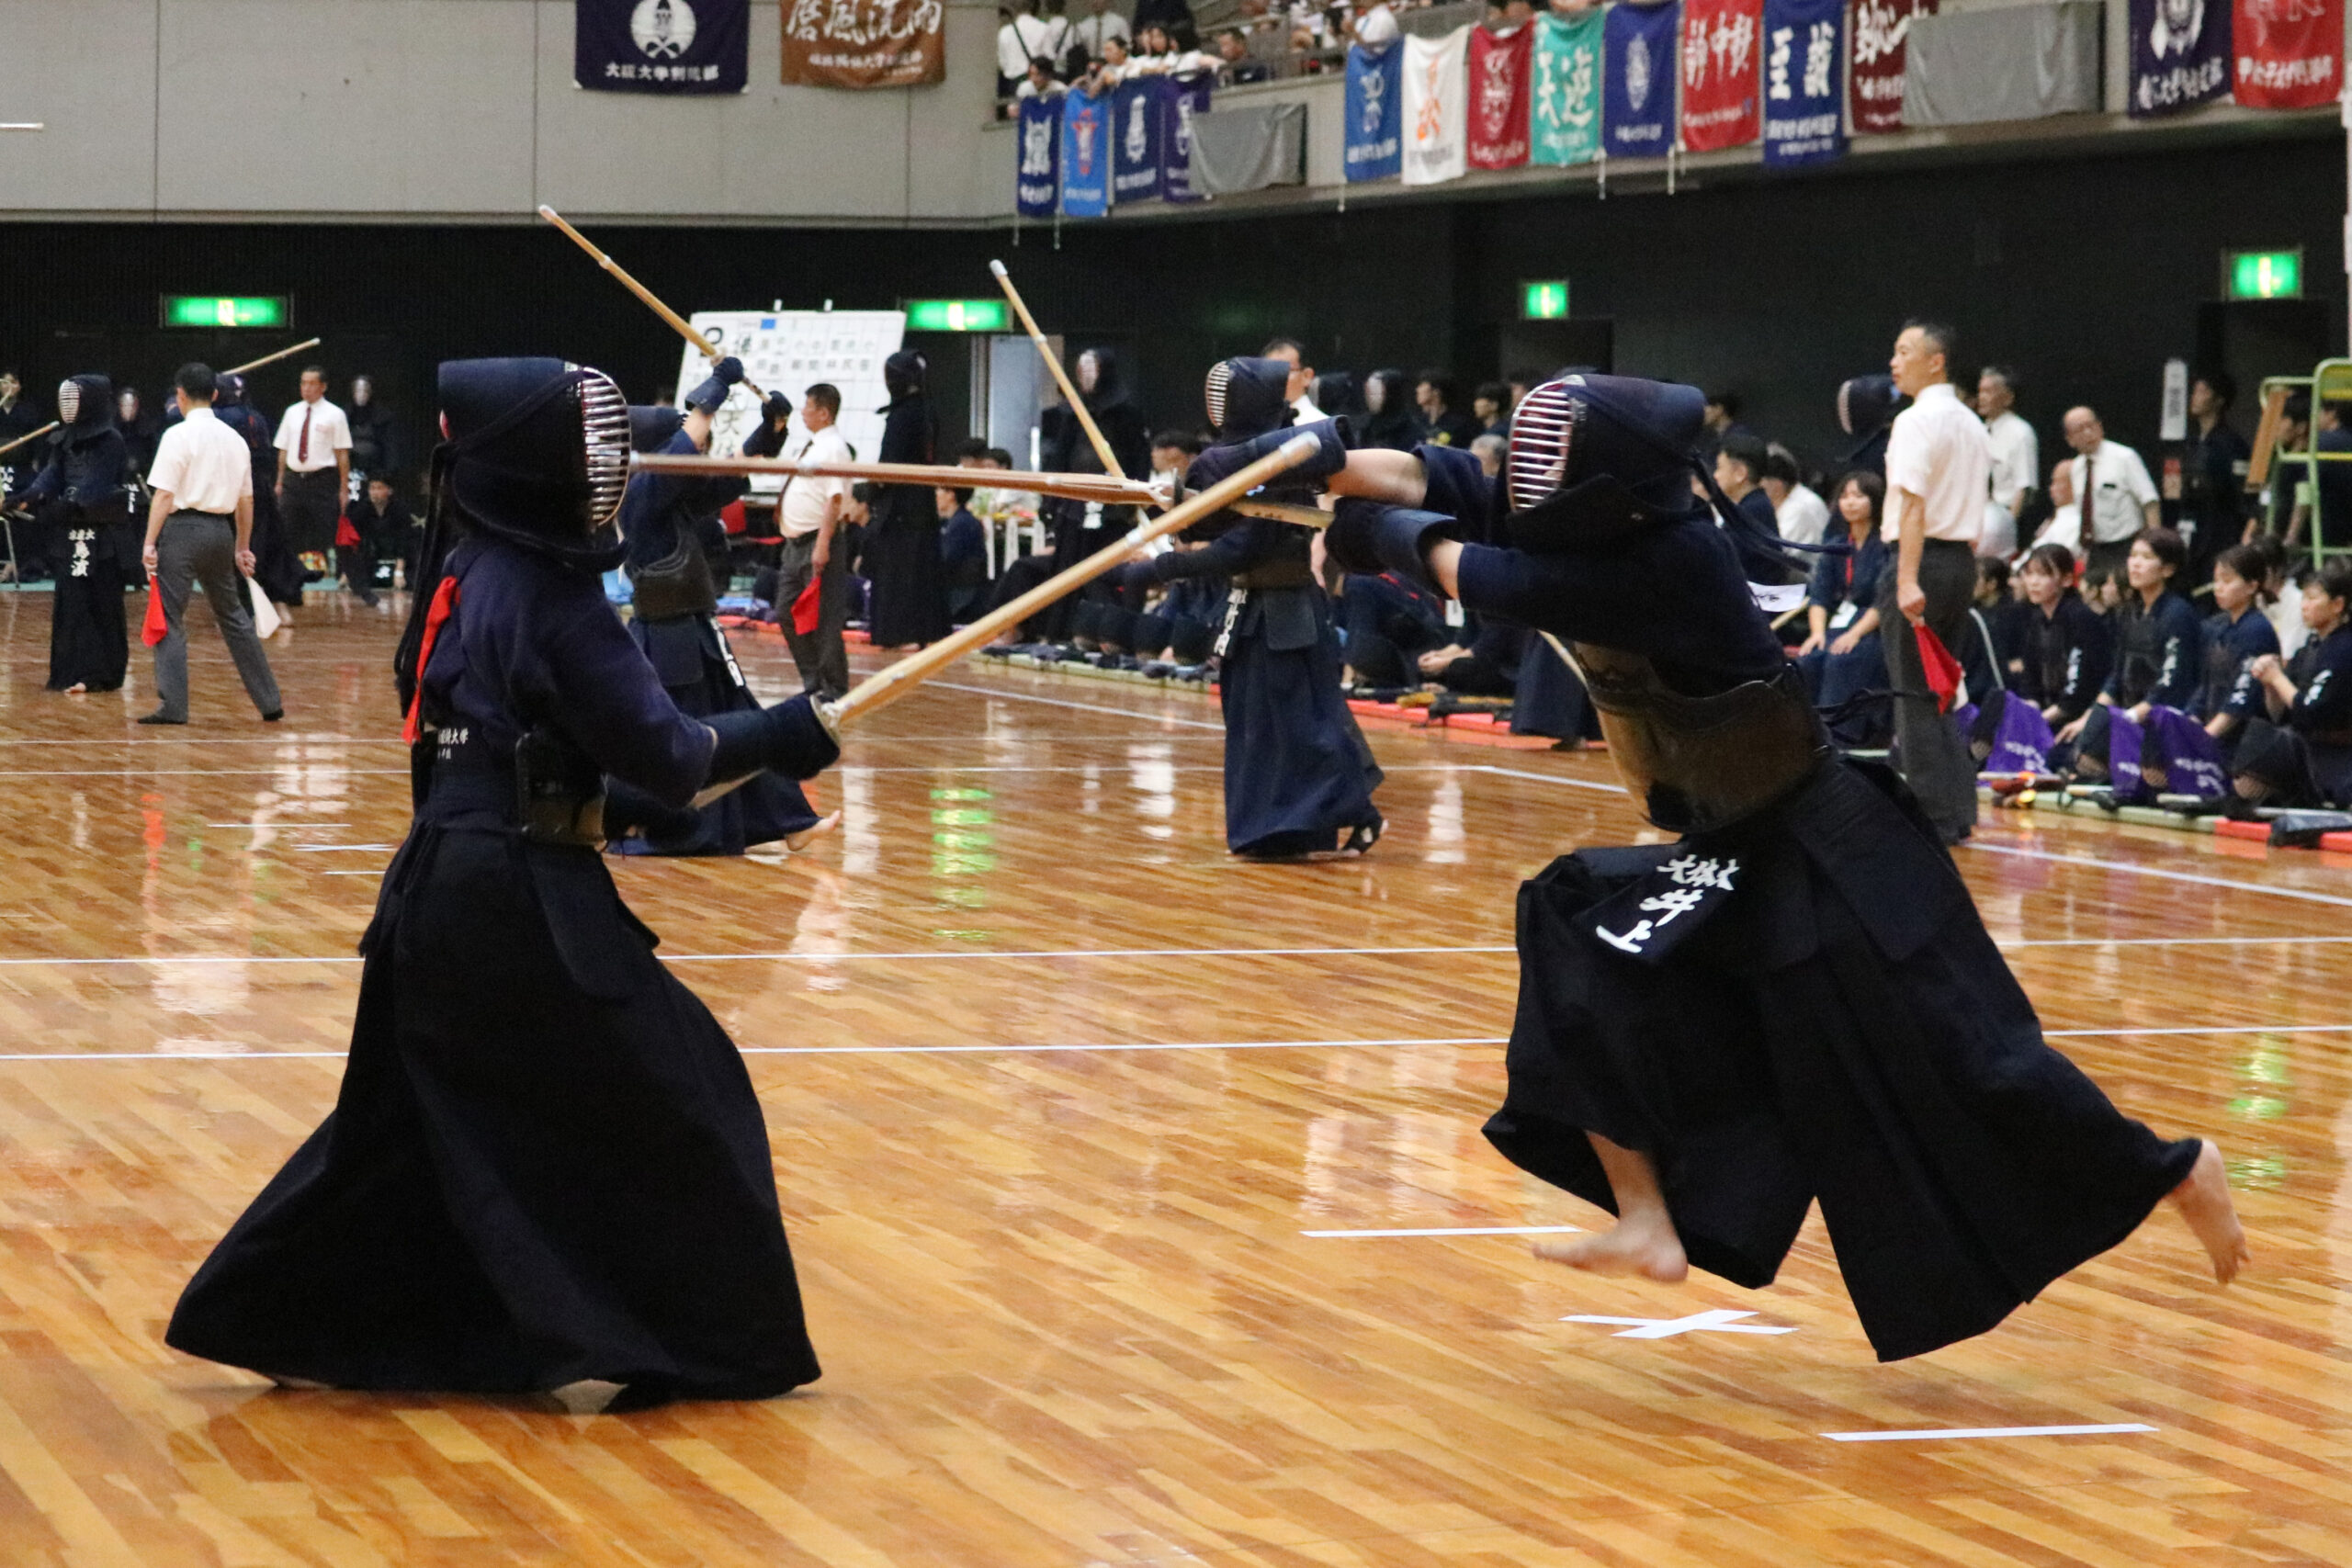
{"x":1086,"y":155}
{"x":1037,"y":181}
{"x":660,"y":46}
{"x":1376,"y":108}
{"x":1804,"y":82}
{"x":1637,"y":73}
{"x":1187,"y":96}
{"x":1139,"y":132}
{"x":2180,"y":55}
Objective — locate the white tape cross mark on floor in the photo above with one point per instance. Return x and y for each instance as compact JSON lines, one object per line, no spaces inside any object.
{"x":1721,"y":1320}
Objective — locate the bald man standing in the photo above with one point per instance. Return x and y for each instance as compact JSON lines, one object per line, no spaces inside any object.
{"x":2118,"y":497}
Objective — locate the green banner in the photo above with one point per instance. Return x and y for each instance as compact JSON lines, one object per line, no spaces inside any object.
{"x":1564,"y":107}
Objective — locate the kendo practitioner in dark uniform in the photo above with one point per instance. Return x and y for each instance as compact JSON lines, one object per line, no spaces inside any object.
{"x":2298,"y":749}
{"x":546,"y":1163}
{"x":1797,"y":999}
{"x":83,"y":510}
{"x":671,"y":531}
{"x":1866,"y":410}
{"x":908,"y":593}
{"x":1081,"y":527}
{"x":1298,"y":775}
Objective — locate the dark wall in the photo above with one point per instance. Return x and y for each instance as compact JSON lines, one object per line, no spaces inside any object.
{"x":2087,"y":273}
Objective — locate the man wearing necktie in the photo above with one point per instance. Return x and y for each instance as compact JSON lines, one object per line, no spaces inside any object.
{"x":313,"y":471}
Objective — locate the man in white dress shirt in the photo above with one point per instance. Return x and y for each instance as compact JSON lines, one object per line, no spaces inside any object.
{"x":199,"y":529}
{"x":1302,"y":377}
{"x":1938,"y":469}
{"x":2016,"y":458}
{"x":2118,"y":497}
{"x":313,"y":470}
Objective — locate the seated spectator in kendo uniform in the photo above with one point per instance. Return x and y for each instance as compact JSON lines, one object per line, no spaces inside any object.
{"x":1488,"y":667}
{"x":1797,"y":999}
{"x":2298,"y":751}
{"x":963,"y":554}
{"x":2236,"y":634}
{"x":2159,"y":657}
{"x":1739,"y":471}
{"x":1298,"y":776}
{"x":546,"y":1165}
{"x":672,"y":535}
{"x":81,"y":508}
{"x":1840,"y":656}
{"x":2000,"y":604}
{"x":1389,"y":623}
{"x":383,"y":523}
{"x":2067,"y":651}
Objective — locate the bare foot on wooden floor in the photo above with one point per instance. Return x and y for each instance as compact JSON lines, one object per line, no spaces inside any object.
{"x":1654,"y":1252}
{"x":2204,"y":1202}
{"x":795,"y":842}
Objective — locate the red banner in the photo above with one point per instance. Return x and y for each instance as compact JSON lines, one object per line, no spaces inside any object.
{"x":1720,"y":93}
{"x":1499,"y":64}
{"x":2290,"y":52}
{"x":1878,"y":31}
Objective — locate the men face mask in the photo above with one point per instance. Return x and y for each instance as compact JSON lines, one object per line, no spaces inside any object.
{"x":1089,"y":372}
{"x":363,"y":392}
{"x":69,"y":401}
{"x":1376,"y":396}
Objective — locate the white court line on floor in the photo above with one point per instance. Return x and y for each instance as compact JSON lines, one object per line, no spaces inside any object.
{"x":290,"y":822}
{"x":948,"y":955}
{"x":1545,"y":778}
{"x":333,"y":848}
{"x":188,"y":772}
{"x":1454,"y":1230}
{"x":808,"y":1050}
{"x":2163,"y":940}
{"x":2160,"y":872}
{"x":1931,"y":1433}
{"x":2206,"y":1029}
{"x":1064,"y":702}
{"x":291,"y":737}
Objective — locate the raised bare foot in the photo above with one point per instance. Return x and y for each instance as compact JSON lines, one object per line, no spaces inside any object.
{"x":1653,"y":1252}
{"x":2204,"y":1202}
{"x":299,"y":1385}
{"x":795,"y":842}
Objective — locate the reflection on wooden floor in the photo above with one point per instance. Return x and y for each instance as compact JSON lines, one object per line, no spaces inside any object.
{"x":1055,"y":1089}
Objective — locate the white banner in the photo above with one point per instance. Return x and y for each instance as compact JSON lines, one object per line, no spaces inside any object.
{"x":1437,"y":94}
{"x":788,"y":352}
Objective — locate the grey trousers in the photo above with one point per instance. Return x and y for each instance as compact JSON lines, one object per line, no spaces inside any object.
{"x":197,"y":546}
{"x":1929,"y":749}
{"x":823,"y":661}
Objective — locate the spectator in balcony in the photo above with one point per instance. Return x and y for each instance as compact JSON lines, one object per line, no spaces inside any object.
{"x":2112,"y":486}
{"x":1740,"y":469}
{"x":1040,"y":83}
{"x":2016,"y":458}
{"x":2212,"y":473}
{"x":1174,"y":16}
{"x":1389,"y":421}
{"x":1024,"y":36}
{"x":1090,"y":32}
{"x":1236,"y":65}
{"x":1444,"y":424}
{"x":1801,"y":515}
{"x":2236,"y":634}
{"x":2299,"y":752}
{"x":1115,"y":66}
{"x":1490,"y":406}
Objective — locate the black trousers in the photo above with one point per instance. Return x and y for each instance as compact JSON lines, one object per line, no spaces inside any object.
{"x":310,"y":507}
{"x":1928,"y":747}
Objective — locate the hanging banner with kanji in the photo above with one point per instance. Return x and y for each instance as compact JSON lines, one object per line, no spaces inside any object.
{"x":1037,"y":184}
{"x":1375,"y":105}
{"x":865,"y":43}
{"x":1719,"y":72}
{"x":1086,"y":155}
{"x":2290,"y":52}
{"x":1804,"y":56}
{"x":1186,"y":96}
{"x":2180,"y":55}
{"x":1638,"y":81}
{"x":661,"y":46}
{"x":1497,"y":103}
{"x":1879,"y":31}
{"x":1139,"y":126}
{"x":1564,"y":101}
{"x":1436,"y":125}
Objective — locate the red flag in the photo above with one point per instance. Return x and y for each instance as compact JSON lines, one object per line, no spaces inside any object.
{"x":2288,"y":52}
{"x":347,"y":538}
{"x":1878,"y":29}
{"x":155,"y":627}
{"x":1499,"y":64}
{"x":1721,"y":73}
{"x":1942,"y":668}
{"x":804,"y":610}
{"x":437,"y":615}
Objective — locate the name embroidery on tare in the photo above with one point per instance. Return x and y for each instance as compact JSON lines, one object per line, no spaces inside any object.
{"x":1685,"y":886}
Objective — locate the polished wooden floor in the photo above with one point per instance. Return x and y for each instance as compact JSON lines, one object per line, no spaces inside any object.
{"x":1062,"y":1100}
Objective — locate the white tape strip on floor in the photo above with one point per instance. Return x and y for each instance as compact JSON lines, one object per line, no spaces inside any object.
{"x":1066,"y":703}
{"x":2160,"y":872}
{"x":1933,"y":1433}
{"x":920,"y":956}
{"x":1454,"y":1230}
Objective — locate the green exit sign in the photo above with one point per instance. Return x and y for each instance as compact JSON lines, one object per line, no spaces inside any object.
{"x":956,"y":315}
{"x":2263,"y":274}
{"x":1544,"y":301}
{"x":223,"y":310}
